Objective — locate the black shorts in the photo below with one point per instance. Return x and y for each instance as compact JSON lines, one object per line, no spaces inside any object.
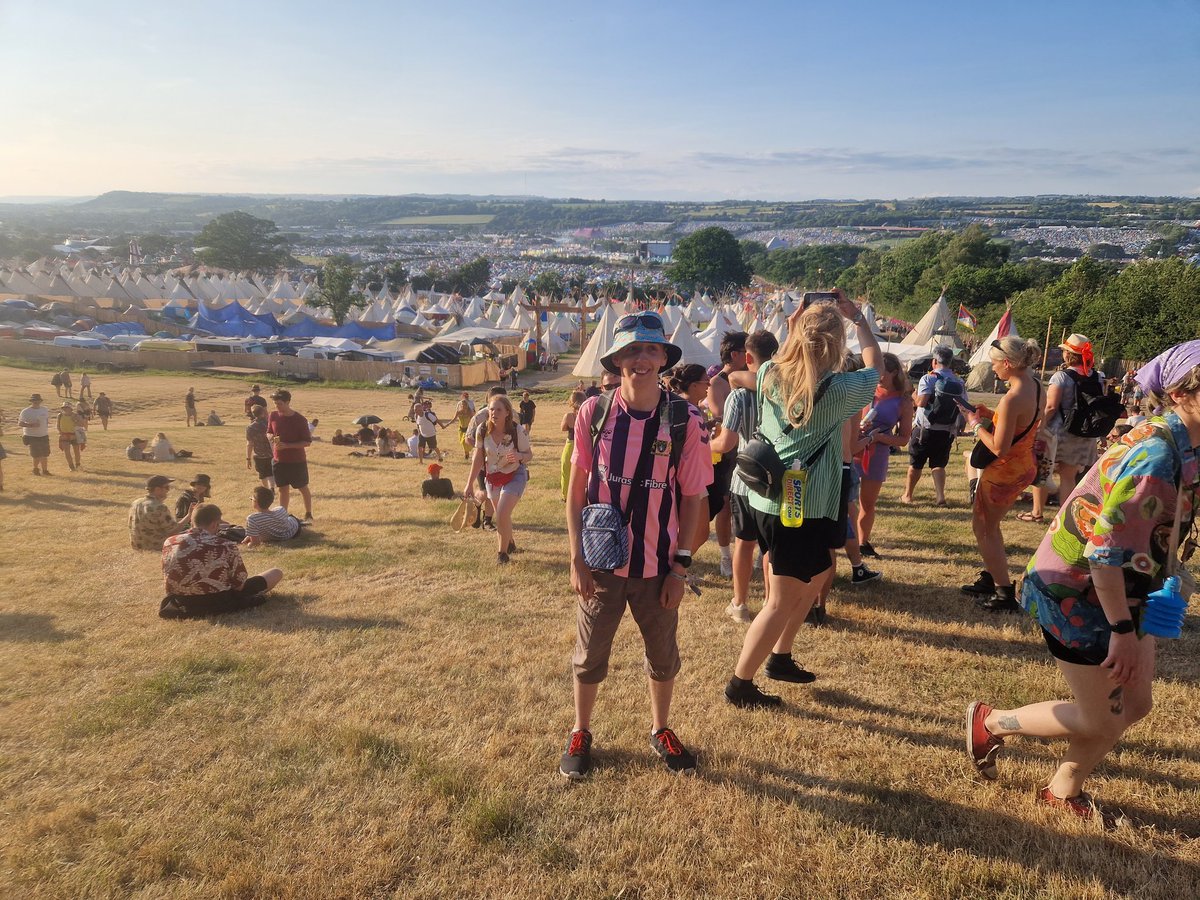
{"x":933,"y":448}
{"x":39,"y":447}
{"x":291,"y":474}
{"x":1093,"y":654}
{"x":264,"y":466}
{"x":719,"y":489}
{"x":427,"y":443}
{"x":742,"y":516}
{"x":803,"y":552}
{"x":253,"y":593}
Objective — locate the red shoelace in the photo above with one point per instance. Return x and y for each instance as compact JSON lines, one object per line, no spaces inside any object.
{"x":667,"y":738}
{"x":579,"y":742}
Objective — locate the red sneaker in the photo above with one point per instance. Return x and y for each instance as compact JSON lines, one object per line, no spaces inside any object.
{"x":982,"y":745}
{"x":1083,"y":805}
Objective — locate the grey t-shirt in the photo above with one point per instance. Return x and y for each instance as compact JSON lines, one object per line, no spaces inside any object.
{"x":1066,"y":399}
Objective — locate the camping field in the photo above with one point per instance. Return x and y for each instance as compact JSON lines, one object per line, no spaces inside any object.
{"x":389,"y":724}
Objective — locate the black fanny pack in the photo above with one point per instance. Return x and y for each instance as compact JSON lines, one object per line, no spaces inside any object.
{"x":759,"y":464}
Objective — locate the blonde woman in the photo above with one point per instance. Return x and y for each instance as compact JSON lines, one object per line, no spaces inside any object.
{"x":1009,"y":437}
{"x":568,"y":428}
{"x":501,"y":451}
{"x":806,"y":400}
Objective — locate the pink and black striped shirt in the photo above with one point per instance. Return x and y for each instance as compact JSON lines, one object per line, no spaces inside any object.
{"x":654,"y":516}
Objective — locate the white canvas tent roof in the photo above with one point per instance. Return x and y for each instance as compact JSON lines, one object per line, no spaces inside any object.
{"x":588,"y":365}
{"x":1005,"y":327}
{"x":936,"y":328}
{"x":693,"y":351}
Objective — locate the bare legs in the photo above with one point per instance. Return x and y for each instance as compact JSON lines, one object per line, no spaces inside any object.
{"x":661,"y":693}
{"x":505,"y":504}
{"x":867,"y":498}
{"x":788,"y":598}
{"x":1092,"y":724}
{"x":985,"y":521}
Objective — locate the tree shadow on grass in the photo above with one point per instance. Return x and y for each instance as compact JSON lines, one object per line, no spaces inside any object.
{"x":913,"y":817}
{"x":287,"y":613}
{"x":33,"y":628}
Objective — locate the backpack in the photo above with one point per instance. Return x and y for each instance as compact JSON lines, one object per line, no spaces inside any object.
{"x":1096,"y":412}
{"x":947,"y":394}
{"x":676,"y":407}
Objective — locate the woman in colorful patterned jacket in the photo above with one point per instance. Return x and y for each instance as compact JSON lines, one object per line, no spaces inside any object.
{"x":1104,"y":554}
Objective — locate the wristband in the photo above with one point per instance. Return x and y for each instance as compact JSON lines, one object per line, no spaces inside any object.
{"x":1124,"y":626}
{"x":675,"y":574}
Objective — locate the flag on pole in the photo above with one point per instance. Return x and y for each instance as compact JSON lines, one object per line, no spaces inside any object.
{"x":966,"y":319}
{"x":1005,"y":328}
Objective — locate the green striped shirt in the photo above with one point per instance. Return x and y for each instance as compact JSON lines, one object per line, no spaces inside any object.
{"x":847,"y":393}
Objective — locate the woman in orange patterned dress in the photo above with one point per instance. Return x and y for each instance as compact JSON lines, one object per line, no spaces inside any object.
{"x":1011,"y":437}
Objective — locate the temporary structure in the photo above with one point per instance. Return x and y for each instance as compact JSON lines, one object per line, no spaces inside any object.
{"x":598,"y":344}
{"x":936,"y":329}
{"x":693,"y":351}
{"x":981,"y":377}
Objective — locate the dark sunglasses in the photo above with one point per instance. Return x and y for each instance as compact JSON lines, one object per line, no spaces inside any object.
{"x":646,"y":320}
{"x":609,"y":387}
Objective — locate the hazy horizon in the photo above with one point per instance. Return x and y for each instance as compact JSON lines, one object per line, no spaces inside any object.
{"x":675,"y":101}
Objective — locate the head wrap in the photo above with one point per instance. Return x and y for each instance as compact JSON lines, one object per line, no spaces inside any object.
{"x":1169,"y":367}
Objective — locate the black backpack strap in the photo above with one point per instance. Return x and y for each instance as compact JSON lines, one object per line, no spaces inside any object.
{"x":679,"y":416}
{"x":599,"y":416}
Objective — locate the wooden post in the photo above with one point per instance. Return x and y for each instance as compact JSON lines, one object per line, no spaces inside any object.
{"x":1046,"y":347}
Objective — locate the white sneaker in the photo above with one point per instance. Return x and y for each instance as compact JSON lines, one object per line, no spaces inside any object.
{"x":739,"y":613}
{"x":726,"y":567}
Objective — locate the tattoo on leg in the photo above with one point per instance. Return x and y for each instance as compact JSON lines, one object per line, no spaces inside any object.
{"x":1009,"y":723}
{"x":1118,"y":701}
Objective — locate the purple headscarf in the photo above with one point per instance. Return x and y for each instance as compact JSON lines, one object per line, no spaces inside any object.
{"x":1169,"y":367}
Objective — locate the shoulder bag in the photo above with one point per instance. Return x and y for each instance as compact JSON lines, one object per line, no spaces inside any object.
{"x":758,"y":463}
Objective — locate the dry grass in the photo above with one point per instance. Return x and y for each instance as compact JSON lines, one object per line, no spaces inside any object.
{"x":390,"y":724}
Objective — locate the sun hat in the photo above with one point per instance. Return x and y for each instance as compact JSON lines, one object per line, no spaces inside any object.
{"x":35,"y":398}
{"x":157,"y":481}
{"x":1079,"y":344}
{"x":643,"y":328}
{"x":205,"y":480}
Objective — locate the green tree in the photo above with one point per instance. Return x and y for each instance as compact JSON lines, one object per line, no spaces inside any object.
{"x":396,"y":274}
{"x":547,"y":284}
{"x":240,"y":241}
{"x":336,"y":289}
{"x":470,"y":278}
{"x":709,"y":257}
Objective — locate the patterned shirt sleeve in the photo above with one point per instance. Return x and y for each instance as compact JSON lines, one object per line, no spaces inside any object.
{"x":1138,"y":496}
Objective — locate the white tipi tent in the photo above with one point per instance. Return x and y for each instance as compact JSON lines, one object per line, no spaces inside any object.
{"x":693,"y":351}
{"x":598,"y":344}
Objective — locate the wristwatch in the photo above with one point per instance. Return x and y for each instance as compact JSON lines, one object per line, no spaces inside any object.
{"x":1125,"y":626}
{"x":684,"y":559}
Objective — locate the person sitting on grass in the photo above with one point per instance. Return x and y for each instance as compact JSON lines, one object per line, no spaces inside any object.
{"x":137,"y":450}
{"x":204,"y":574}
{"x":150,"y":521}
{"x":436,"y":486}
{"x":213,"y":419}
{"x":163,"y":451}
{"x":267,"y":522}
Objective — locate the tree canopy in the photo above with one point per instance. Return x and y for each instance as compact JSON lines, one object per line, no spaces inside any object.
{"x":709,"y":257}
{"x":240,"y":241}
{"x":336,"y":289}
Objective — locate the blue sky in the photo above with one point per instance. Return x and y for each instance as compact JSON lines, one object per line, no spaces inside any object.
{"x":670,"y":100}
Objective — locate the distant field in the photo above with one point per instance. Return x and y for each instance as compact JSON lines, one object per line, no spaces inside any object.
{"x":441,"y":220}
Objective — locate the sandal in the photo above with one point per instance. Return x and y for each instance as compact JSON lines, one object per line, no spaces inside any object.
{"x":1030,"y":517}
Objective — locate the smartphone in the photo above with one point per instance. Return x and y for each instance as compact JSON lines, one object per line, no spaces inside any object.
{"x":811,"y":297}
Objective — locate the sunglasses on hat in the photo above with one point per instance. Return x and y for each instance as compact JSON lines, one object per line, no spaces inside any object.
{"x":644,"y":320}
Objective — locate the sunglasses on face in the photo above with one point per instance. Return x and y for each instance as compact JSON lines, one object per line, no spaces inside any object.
{"x":645,"y":320}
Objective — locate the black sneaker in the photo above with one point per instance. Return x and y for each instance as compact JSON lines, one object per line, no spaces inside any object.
{"x":512,"y":547}
{"x":866,"y":549}
{"x":674,"y":754}
{"x":1003,"y":600}
{"x":984,"y":586}
{"x":576,"y":760}
{"x":862,"y":575}
{"x":782,"y":667}
{"x":501,"y":559}
{"x":816,"y":616}
{"x":488,"y":524}
{"x":749,"y":696}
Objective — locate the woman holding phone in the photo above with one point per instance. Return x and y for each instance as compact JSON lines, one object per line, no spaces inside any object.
{"x":806,"y":398}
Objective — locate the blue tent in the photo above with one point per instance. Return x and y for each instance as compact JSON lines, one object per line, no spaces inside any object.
{"x":234,"y":321}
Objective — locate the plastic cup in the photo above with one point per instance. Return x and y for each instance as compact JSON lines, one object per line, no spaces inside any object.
{"x":1165,"y":609}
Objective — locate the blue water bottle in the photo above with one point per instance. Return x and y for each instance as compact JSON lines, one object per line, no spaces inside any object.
{"x":1165,"y":609}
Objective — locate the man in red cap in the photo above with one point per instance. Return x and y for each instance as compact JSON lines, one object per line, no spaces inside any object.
{"x":1068,"y":453}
